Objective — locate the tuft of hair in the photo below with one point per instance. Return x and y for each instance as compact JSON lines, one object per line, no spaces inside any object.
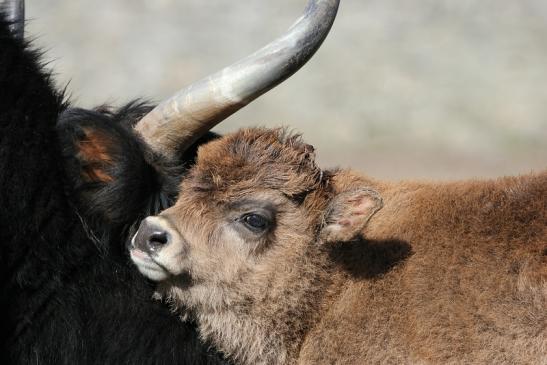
{"x":257,"y":157}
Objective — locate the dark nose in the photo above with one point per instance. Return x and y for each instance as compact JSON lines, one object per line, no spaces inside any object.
{"x":150,"y":237}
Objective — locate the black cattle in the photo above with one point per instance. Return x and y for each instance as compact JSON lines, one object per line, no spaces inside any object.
{"x":72,"y":184}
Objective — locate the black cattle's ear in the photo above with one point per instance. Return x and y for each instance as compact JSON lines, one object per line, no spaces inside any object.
{"x":348,"y":213}
{"x":95,"y":149}
{"x":112,"y":172}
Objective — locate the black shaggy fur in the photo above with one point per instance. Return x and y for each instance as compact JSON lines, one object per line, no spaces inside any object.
{"x":68,"y":294}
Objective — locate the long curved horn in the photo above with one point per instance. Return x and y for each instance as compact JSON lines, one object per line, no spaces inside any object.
{"x":15,"y":11}
{"x":180,"y":120}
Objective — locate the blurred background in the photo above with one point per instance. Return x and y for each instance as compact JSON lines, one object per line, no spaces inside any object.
{"x":400,"y":89}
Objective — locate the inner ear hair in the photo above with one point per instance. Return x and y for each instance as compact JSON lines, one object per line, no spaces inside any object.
{"x":348,"y":213}
{"x":93,"y":151}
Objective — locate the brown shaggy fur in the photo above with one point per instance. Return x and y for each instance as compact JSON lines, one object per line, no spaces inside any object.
{"x":443,"y":273}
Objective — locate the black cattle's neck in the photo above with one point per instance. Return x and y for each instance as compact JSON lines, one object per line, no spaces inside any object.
{"x":64,"y":301}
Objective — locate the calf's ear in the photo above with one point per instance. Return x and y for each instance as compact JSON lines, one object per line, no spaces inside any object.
{"x":348,"y":213}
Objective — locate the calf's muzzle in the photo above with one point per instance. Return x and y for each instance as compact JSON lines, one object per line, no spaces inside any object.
{"x":150,"y":237}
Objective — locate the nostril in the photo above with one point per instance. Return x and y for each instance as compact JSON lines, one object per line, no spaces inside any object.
{"x":151,"y":236}
{"x":158,"y":239}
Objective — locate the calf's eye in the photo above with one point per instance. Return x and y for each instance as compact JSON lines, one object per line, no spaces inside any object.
{"x":255,"y":222}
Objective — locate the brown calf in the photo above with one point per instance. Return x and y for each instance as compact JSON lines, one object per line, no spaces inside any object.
{"x":281,"y":263}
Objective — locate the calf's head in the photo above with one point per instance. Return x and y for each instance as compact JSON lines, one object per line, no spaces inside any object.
{"x":254,"y":200}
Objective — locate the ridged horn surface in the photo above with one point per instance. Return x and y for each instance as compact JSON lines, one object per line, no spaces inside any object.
{"x":179,"y":121}
{"x":15,"y":12}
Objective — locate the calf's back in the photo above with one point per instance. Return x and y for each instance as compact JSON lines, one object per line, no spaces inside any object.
{"x":448,"y":273}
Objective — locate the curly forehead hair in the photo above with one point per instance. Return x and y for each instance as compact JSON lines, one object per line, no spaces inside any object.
{"x":258,"y":158}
